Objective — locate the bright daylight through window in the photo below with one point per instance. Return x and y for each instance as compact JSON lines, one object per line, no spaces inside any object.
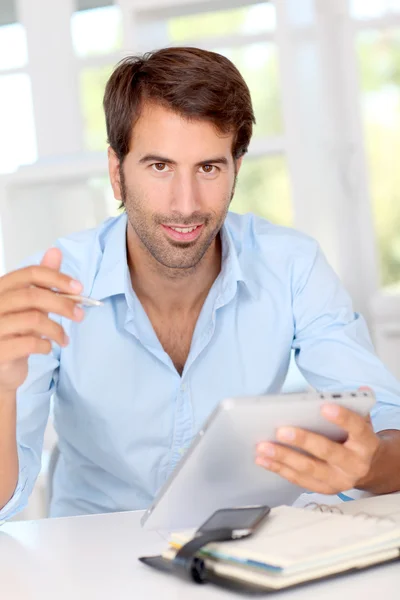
{"x":16,"y":115}
{"x":378,"y":49}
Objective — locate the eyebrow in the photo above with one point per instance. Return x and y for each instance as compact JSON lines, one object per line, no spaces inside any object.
{"x":219,"y":160}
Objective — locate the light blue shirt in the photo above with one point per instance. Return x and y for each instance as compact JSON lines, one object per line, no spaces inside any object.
{"x":124,"y":415}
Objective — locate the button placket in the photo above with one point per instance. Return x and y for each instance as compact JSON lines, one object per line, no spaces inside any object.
{"x":183,"y":431}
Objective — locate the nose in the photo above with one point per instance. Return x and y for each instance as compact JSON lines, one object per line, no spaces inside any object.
{"x":185,"y":194}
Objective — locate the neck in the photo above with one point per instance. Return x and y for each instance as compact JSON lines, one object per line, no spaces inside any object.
{"x":168,"y":290}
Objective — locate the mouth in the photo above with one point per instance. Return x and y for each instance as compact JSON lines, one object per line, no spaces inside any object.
{"x":183,"y":233}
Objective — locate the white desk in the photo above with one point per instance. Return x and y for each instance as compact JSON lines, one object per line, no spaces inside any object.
{"x":95,"y":558}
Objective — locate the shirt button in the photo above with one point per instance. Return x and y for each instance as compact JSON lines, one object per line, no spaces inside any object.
{"x":183,"y":387}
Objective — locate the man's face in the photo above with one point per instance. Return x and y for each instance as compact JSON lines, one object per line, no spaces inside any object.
{"x":176,"y":183}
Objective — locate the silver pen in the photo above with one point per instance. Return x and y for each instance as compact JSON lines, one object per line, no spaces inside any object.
{"x":81,"y":299}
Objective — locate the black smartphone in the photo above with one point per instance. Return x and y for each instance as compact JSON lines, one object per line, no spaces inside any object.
{"x":243,"y":521}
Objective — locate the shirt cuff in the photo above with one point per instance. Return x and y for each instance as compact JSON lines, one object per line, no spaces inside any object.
{"x":385,"y":418}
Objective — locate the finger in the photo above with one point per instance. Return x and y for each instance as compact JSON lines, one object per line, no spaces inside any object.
{"x":356,"y":426}
{"x":32,"y":322}
{"x":40,"y":276}
{"x":329,"y":461}
{"x":22,"y":347}
{"x":306,"y":466}
{"x":293,"y":476}
{"x":317,"y":445}
{"x":39,"y":299}
{"x":52,"y":259}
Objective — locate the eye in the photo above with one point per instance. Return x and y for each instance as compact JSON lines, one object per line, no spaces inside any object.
{"x":159,"y":167}
{"x":209,"y":169}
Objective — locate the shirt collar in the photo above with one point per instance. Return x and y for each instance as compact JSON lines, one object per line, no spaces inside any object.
{"x":112,"y":277}
{"x":112,"y":272}
{"x":231,"y":269}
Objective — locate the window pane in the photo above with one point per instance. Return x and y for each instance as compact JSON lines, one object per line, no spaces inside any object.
{"x":13,"y":48}
{"x":247,"y":19}
{"x":369,"y":9}
{"x":263,"y":188}
{"x":18,"y":137}
{"x":93,"y":82}
{"x":379,"y":56}
{"x":96,"y":31}
{"x":258,"y":64}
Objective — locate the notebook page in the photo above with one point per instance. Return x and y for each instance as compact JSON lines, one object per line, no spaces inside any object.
{"x":387,"y":506}
{"x":293,"y":537}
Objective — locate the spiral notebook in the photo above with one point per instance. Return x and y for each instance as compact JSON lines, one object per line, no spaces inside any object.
{"x":298,"y":545}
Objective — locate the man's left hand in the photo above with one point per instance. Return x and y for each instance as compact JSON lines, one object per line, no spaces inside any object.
{"x":332,"y":467}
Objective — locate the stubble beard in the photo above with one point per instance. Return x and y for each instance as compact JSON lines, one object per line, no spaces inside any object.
{"x":177,"y":258}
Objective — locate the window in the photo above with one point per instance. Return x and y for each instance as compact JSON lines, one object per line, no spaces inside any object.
{"x":18,"y":138}
{"x":92,"y":83}
{"x":263,"y":188}
{"x":97,"y":30}
{"x":246,"y":30}
{"x":13,"y":48}
{"x":17,"y":141}
{"x":370,"y":9}
{"x":246,"y":20}
{"x":379,"y":58}
{"x":259,"y":66}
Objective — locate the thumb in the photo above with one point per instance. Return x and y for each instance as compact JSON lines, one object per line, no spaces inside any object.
{"x":52,"y":259}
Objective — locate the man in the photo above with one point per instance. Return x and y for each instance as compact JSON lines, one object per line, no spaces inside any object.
{"x":198,"y":305}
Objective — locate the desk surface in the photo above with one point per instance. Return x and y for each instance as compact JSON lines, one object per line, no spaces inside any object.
{"x":95,"y":557}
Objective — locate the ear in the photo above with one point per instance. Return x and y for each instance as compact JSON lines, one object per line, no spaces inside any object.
{"x":113,"y":170}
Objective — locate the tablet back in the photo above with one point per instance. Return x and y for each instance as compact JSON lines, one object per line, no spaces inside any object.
{"x":218,"y":470}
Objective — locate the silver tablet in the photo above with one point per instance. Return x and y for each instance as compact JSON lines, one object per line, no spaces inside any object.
{"x":218,"y":470}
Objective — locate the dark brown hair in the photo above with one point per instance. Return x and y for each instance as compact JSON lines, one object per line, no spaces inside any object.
{"x":195,"y":83}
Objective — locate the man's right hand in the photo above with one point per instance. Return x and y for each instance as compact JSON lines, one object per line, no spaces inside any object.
{"x":26,"y":298}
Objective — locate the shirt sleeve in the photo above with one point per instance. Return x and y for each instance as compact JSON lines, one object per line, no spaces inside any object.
{"x":33,"y":406}
{"x":332,"y":345}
